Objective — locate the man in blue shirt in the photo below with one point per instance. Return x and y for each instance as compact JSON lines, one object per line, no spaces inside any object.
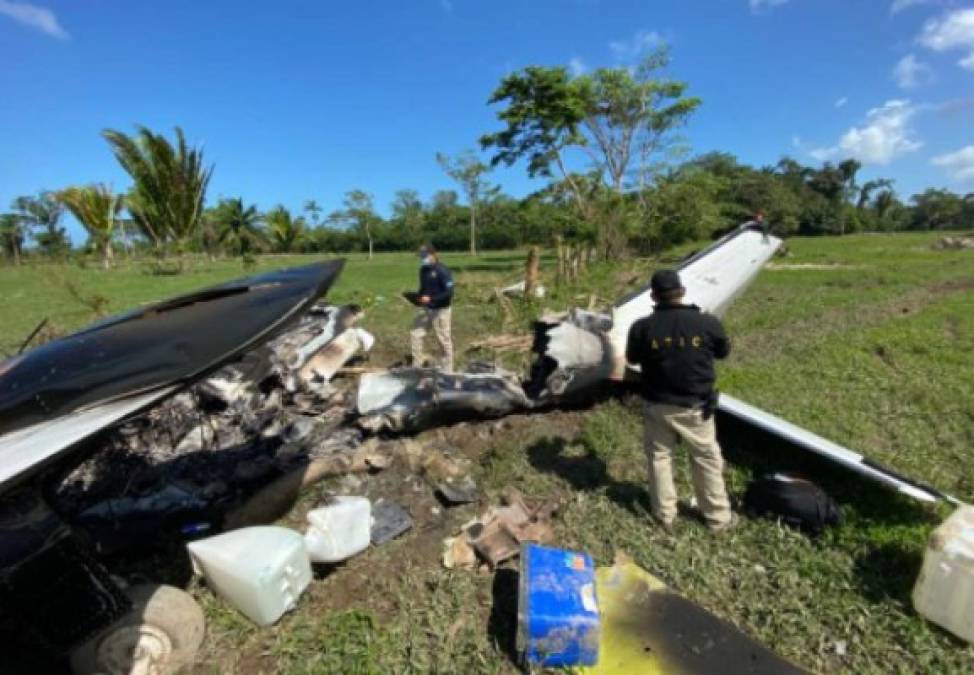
{"x":434,"y":299}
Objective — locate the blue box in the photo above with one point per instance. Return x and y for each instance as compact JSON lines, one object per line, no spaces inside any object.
{"x":557,"y":611}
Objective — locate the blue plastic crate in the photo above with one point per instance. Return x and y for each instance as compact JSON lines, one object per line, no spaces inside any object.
{"x":558,"y":614}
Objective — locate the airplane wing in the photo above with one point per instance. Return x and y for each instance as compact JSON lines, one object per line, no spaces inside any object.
{"x":33,"y":446}
{"x":831,"y":451}
{"x":60,"y":393}
{"x":581,"y":351}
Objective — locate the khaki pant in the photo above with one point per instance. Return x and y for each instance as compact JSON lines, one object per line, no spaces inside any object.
{"x":667,"y":425}
{"x":439,"y":321}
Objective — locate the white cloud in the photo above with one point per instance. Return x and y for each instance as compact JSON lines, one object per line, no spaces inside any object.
{"x":899,"y":5}
{"x":953,"y":30}
{"x":886,"y":135}
{"x":577,"y":66}
{"x":909,"y":72}
{"x":959,"y":165}
{"x":641,"y":42}
{"x":841,"y":102}
{"x":758,"y":5}
{"x":36,"y":17}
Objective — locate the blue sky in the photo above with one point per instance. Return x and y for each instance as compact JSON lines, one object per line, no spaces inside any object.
{"x":298,"y":100}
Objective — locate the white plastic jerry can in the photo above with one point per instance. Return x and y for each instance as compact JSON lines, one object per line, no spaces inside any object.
{"x":339,"y":530}
{"x":261,"y":571}
{"x":944,"y":592}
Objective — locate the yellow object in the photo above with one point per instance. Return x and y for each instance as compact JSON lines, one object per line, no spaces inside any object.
{"x":623,"y":590}
{"x":648,"y":629}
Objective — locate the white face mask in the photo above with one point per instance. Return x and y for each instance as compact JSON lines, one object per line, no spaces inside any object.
{"x":426,"y":261}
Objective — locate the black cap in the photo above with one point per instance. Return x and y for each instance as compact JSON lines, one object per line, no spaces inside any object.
{"x":665,"y":281}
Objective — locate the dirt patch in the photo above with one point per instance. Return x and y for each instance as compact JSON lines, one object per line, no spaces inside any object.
{"x":377,"y":580}
{"x":886,"y":357}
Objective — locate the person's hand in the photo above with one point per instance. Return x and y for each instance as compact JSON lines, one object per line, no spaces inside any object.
{"x":424,"y":299}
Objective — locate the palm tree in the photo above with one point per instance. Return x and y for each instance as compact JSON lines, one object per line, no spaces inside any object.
{"x":169,"y":184}
{"x":96,"y":207}
{"x":884,"y":203}
{"x":239,"y":227}
{"x":12,"y":235}
{"x":313,"y":210}
{"x":43,"y":214}
{"x":286,"y":232}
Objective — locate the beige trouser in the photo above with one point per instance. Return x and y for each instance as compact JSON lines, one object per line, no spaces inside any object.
{"x":439,"y":321}
{"x":667,"y":425}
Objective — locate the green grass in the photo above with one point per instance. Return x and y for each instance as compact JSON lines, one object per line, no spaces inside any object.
{"x":874,"y":354}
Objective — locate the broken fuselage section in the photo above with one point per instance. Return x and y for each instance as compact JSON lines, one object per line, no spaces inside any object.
{"x":581,"y":350}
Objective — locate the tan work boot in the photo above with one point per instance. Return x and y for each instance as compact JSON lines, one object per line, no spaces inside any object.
{"x":725,"y":527}
{"x":666,"y":525}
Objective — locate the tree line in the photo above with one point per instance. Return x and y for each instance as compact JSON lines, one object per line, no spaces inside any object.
{"x":638,"y":193}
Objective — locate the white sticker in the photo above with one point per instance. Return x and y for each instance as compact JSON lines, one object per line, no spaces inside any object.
{"x":588,"y":598}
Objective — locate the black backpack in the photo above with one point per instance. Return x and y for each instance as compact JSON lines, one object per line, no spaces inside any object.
{"x":798,"y":502}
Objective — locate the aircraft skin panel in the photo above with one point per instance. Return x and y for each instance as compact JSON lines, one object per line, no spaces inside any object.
{"x":176,"y":340}
{"x":820,"y":446}
{"x":28,"y":448}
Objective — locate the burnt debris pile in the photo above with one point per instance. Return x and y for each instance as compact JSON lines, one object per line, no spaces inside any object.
{"x":208,"y":447}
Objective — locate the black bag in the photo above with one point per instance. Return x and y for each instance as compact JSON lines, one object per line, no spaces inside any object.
{"x":798,"y":502}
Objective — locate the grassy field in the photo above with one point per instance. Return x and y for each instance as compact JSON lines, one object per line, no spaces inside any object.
{"x":864,"y":339}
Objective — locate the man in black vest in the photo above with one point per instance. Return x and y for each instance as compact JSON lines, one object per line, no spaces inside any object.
{"x":675,"y":347}
{"x":434,"y":297}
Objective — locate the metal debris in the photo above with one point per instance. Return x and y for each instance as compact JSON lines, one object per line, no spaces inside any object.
{"x":497,"y":535}
{"x":411,"y":399}
{"x":389,"y":520}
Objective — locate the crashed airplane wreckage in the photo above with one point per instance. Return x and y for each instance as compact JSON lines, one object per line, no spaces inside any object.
{"x":244,"y":369}
{"x":58,"y":400}
{"x":581,"y":353}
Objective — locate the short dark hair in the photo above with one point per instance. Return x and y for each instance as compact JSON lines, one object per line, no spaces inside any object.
{"x":428,"y":248}
{"x":664,"y":281}
{"x":671,"y":295}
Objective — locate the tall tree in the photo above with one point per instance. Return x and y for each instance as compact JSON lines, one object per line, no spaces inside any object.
{"x":866,"y":190}
{"x":12,"y":236}
{"x":96,"y":207}
{"x":43,"y":214}
{"x":169,"y":184}
{"x":623,"y":119}
{"x":408,"y":217}
{"x":286,"y":232}
{"x":467,"y":170}
{"x":937,"y":210}
{"x":883,"y":203}
{"x":630,"y":118}
{"x":239,"y":226}
{"x":837,"y":184}
{"x":313,"y":209}
{"x":543,"y":118}
{"x":360,"y":214}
